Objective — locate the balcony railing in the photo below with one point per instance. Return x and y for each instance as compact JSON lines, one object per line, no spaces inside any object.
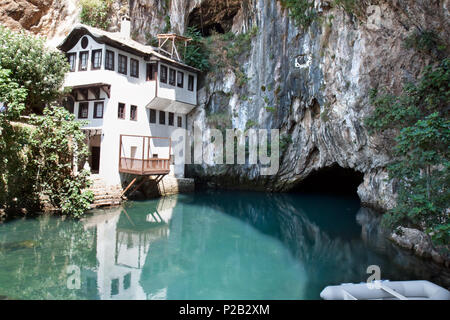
{"x":145,"y":164}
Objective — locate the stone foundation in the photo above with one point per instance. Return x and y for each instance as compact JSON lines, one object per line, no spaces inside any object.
{"x":167,"y":186}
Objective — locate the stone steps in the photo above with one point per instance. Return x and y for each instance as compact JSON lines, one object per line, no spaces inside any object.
{"x":105,"y":195}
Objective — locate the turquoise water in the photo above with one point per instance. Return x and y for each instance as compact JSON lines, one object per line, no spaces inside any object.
{"x":217,"y":245}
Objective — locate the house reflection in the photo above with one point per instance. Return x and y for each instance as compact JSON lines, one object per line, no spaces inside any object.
{"x":125,"y":237}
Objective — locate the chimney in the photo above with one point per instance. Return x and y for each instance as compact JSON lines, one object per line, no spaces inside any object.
{"x":125,"y":27}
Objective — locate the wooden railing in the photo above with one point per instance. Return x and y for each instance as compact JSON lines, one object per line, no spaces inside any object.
{"x":144,"y":165}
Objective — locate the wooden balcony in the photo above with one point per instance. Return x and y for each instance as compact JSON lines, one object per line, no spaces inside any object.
{"x":144,"y":164}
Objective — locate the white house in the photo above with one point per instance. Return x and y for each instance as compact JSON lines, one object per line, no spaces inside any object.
{"x":133,"y":96}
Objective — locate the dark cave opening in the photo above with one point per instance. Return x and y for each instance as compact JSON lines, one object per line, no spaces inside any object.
{"x":214,"y":17}
{"x":331,"y":180}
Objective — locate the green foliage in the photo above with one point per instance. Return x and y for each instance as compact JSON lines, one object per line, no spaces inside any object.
{"x":168,"y":25}
{"x":270,"y":109}
{"x":37,"y":156}
{"x":421,"y":165}
{"x":196,"y":54}
{"x":431,"y":94}
{"x":53,"y":145}
{"x":15,"y":183}
{"x":226,"y":50}
{"x":350,"y":6}
{"x":301,"y":11}
{"x":12,"y":95}
{"x":151,"y":40}
{"x":240,"y":44}
{"x":39,"y":71}
{"x":285,"y":142}
{"x":250,"y":124}
{"x":96,"y":13}
{"x":427,"y":42}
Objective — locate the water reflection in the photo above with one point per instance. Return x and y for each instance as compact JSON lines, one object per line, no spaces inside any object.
{"x":123,"y":243}
{"x":204,"y":246}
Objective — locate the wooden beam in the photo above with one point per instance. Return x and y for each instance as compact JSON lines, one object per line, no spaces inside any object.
{"x":107,"y":90}
{"x":129,"y":186}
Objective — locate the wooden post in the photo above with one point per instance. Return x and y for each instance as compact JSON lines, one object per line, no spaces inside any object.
{"x":129,"y":186}
{"x":170,"y":151}
{"x":120,"y":152}
{"x":143,"y":150}
{"x":148,"y":151}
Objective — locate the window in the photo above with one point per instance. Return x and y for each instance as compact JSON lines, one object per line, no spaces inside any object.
{"x":84,"y":57}
{"x":171,"y":77}
{"x":109,"y":61}
{"x":127,"y":281}
{"x":133,"y":113}
{"x":96,"y":59}
{"x":121,"y":111}
{"x":151,"y":71}
{"x":122,"y":64}
{"x":180,"y":122}
{"x":155,"y":156}
{"x":71,"y":58}
{"x":98,"y":110}
{"x":191,"y":83}
{"x":84,"y":42}
{"x":134,"y":68}
{"x":162,"y":117}
{"x":180,"y":79}
{"x":171,"y":118}
{"x":114,"y":287}
{"x":163,"y":77}
{"x":152,"y":116}
{"x":83,"y":110}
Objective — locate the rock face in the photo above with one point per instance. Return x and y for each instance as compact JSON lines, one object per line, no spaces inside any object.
{"x":321,"y":101}
{"x":49,"y":18}
{"x":418,"y":242}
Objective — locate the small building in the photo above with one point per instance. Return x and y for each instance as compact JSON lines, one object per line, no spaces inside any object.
{"x":134,"y":97}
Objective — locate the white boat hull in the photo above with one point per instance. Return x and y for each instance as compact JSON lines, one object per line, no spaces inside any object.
{"x":386,"y":290}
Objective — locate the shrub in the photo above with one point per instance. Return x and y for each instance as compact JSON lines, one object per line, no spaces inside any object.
{"x":96,"y":13}
{"x":301,"y":11}
{"x":196,"y":54}
{"x":36,"y":161}
{"x":421,"y":153}
{"x":38,"y":70}
{"x":54,"y":143}
{"x":427,"y":42}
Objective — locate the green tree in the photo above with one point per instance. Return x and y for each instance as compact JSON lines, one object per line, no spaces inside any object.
{"x":16,"y":187}
{"x":37,"y":155}
{"x":421,"y":153}
{"x":35,"y":68}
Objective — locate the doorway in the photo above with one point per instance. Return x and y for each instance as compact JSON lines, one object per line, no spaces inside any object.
{"x":95,"y":159}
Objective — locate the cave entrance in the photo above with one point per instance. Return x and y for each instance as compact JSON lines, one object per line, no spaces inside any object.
{"x":214,"y":16}
{"x":331,"y":180}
